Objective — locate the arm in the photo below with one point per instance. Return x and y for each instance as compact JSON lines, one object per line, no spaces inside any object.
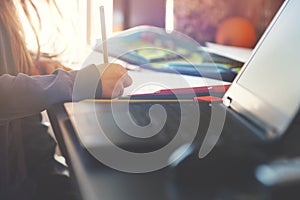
{"x":24,"y":95}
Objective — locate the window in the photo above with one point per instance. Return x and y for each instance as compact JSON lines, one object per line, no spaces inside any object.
{"x":71,"y":35}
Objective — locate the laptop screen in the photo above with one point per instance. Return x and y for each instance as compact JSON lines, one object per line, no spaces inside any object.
{"x":267,"y":90}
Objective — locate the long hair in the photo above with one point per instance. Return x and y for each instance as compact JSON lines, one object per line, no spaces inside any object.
{"x":14,"y":54}
{"x":15,"y":58}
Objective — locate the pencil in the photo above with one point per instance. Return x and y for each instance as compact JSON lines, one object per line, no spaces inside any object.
{"x":138,"y":100}
{"x":103,"y":31}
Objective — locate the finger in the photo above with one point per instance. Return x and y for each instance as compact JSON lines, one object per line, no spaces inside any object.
{"x":127,"y":81}
{"x":118,"y":91}
{"x":121,"y":92}
{"x":67,"y":68}
{"x":58,"y":65}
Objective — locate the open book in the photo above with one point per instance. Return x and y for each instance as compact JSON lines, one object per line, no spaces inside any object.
{"x":155,"y":49}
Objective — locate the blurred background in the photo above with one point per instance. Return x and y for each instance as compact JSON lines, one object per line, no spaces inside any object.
{"x":74,"y":31}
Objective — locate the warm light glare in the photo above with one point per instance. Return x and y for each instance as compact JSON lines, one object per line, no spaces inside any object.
{"x":79,"y":28}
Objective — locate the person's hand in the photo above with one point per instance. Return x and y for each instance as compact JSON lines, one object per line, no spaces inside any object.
{"x":45,"y":66}
{"x":114,"y":79}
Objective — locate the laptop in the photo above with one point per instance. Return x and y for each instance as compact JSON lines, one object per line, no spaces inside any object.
{"x":263,"y":99}
{"x":266,"y":91}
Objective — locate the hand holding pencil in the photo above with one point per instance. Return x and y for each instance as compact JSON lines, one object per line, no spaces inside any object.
{"x":115,"y":77}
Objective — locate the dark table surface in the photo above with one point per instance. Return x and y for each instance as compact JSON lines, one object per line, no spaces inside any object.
{"x":226,"y":173}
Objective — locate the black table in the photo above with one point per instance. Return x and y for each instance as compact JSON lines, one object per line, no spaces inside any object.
{"x":227,"y":173}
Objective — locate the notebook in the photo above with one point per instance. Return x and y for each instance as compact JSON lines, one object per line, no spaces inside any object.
{"x":264,"y":96}
{"x":156,"y":49}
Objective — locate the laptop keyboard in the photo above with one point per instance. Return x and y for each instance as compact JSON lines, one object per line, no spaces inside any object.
{"x":177,"y":115}
{"x":161,"y":121}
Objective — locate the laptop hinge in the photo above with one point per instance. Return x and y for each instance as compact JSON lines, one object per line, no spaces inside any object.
{"x":227,"y":101}
{"x":269,"y":132}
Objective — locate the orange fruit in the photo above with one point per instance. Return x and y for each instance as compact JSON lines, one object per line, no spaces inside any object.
{"x":236,"y":31}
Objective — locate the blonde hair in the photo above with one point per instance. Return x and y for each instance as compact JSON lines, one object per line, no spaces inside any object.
{"x":14,"y":54}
